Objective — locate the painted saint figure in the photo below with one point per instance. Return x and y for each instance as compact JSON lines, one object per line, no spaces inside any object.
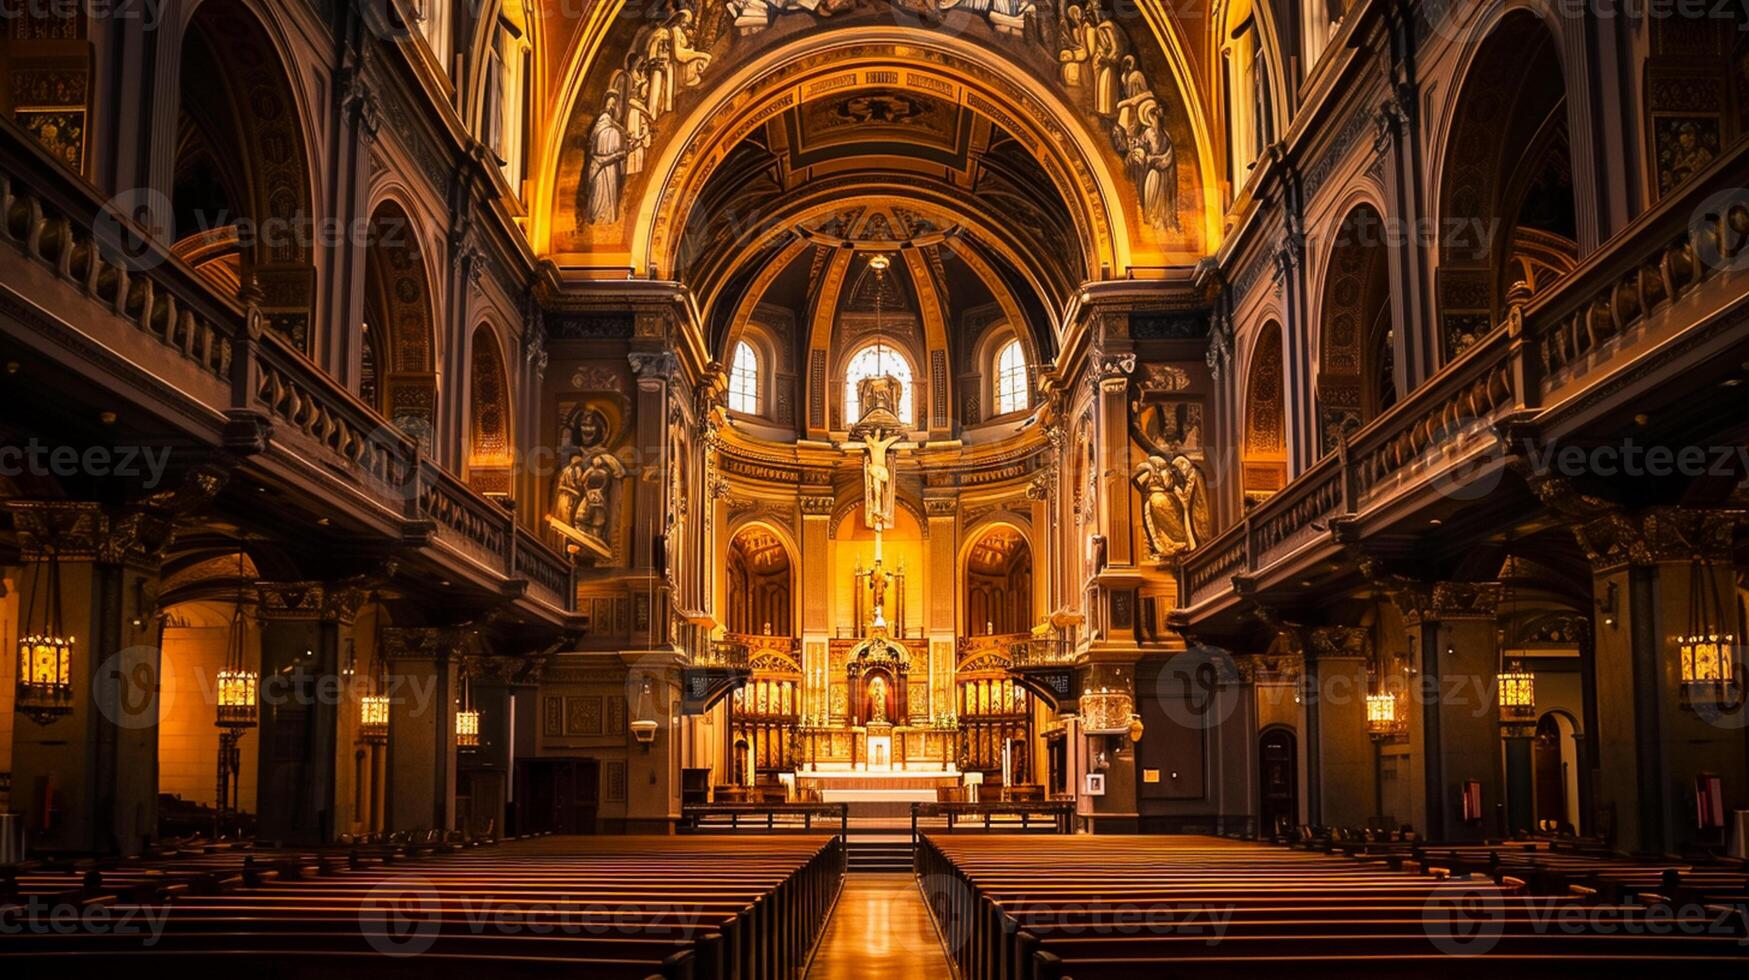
{"x":607,"y":154}
{"x":1077,"y":48}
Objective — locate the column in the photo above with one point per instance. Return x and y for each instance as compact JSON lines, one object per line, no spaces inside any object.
{"x":1453,"y":637}
{"x":87,"y":779}
{"x":814,"y":593}
{"x":942,"y":588}
{"x":302,"y":626}
{"x":1399,"y":145}
{"x":337,"y":347}
{"x":1652,"y":743}
{"x":1336,"y":689}
{"x":653,"y":766}
{"x":422,"y":688}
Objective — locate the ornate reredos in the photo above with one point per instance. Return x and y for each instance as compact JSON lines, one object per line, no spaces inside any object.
{"x":732,"y":108}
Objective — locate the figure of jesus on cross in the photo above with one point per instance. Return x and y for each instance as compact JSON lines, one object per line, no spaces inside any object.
{"x":877,"y":480}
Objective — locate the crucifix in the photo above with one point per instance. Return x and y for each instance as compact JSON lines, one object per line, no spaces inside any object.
{"x":877,"y":503}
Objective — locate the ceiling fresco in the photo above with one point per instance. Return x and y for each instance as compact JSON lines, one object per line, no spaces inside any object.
{"x":694,"y":126}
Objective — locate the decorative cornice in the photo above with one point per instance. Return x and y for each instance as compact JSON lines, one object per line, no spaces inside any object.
{"x":1341,"y":642}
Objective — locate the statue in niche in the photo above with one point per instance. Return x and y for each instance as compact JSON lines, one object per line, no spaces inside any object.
{"x":877,"y":697}
{"x":1175,"y":515}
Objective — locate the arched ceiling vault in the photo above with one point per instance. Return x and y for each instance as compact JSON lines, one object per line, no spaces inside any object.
{"x":748,"y":100}
{"x":827,"y":215}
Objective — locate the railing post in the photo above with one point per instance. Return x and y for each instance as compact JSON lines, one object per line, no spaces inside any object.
{"x":1345,"y":475}
{"x":245,"y":367}
{"x":1521,"y":349}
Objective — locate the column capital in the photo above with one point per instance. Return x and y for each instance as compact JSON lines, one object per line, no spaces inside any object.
{"x":1341,"y":643}
{"x":1286,"y":668}
{"x":1611,"y":536}
{"x":940,"y":507}
{"x":438,"y":644}
{"x":78,"y":530}
{"x":319,"y":602}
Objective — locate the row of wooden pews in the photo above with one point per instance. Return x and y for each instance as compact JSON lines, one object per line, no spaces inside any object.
{"x":1104,"y":908}
{"x":615,"y":908}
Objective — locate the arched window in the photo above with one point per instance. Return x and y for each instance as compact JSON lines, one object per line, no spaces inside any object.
{"x":1011,"y":378}
{"x":433,"y":18}
{"x":870,"y":362}
{"x":504,"y":106}
{"x":1250,"y":129}
{"x":1321,"y":19}
{"x":744,"y":380}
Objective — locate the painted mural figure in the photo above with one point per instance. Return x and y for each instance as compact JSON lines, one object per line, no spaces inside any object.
{"x":690,"y":61}
{"x":607,"y":167}
{"x":1136,"y":94}
{"x":1160,"y":180}
{"x":637,"y":122}
{"x":1076,"y":52}
{"x":1006,"y":16}
{"x":1109,"y":49}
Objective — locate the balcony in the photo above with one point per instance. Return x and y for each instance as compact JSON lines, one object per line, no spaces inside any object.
{"x":148,"y":325}
{"x":1659,"y":294}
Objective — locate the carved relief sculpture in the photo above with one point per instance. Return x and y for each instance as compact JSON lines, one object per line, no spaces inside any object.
{"x":1175,"y":516}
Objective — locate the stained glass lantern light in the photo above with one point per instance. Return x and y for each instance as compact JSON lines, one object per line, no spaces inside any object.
{"x":45,"y":652}
{"x":1706,"y":650}
{"x":373,"y":718}
{"x":1517,"y":701}
{"x":1384,"y":719}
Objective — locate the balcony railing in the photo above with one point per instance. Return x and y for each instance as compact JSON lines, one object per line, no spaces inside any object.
{"x":213,"y":349}
{"x":1580,"y":329}
{"x":722,"y":653}
{"x":789,"y":645}
{"x":1042,"y":651}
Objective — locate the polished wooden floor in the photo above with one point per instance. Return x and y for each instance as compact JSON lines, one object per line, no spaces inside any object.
{"x":880,"y":931}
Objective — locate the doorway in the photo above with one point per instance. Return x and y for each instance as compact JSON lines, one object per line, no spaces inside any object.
{"x":1278,"y":795}
{"x":559,"y":796}
{"x":1554,"y":760}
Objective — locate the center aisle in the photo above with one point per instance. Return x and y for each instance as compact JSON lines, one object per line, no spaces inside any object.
{"x":880,"y":931}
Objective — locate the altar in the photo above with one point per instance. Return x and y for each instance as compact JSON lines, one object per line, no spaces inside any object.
{"x":850,"y":786}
